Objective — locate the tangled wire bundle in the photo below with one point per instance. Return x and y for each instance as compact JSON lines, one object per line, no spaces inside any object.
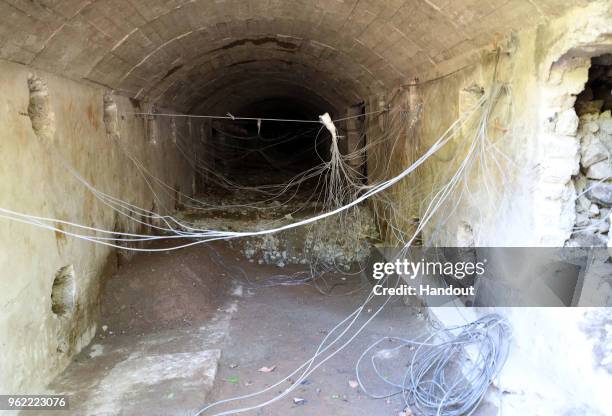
{"x":443,"y":379}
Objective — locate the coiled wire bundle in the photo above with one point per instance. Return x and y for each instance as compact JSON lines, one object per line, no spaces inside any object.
{"x":450,"y":370}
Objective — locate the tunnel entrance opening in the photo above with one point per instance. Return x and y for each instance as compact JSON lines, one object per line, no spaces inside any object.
{"x":593,"y":182}
{"x":596,"y":96}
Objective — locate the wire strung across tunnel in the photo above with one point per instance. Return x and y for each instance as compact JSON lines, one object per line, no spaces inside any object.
{"x":174,"y":226}
{"x":229,"y":116}
{"x":341,"y":331}
{"x":344,"y":193}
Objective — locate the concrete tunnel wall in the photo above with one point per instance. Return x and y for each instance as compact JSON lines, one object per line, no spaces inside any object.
{"x":546,"y":68}
{"x":209,"y":57}
{"x":35,"y":342}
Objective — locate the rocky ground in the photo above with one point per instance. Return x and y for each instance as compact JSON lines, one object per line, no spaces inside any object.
{"x":341,"y":242}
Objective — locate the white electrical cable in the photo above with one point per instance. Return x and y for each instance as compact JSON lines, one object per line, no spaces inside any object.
{"x":211,"y":235}
{"x":258,"y":119}
{"x":340,"y":180}
{"x":320,"y":350}
{"x":432,"y":384}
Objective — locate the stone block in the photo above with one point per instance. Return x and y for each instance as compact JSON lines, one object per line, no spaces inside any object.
{"x":567,"y":123}
{"x":592,"y":150}
{"x":582,"y":220}
{"x":583,"y":204}
{"x":592,"y":127}
{"x":600,"y":170}
{"x":606,"y":126}
{"x":601,"y":193}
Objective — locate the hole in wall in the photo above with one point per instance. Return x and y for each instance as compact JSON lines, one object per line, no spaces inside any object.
{"x":39,"y":109}
{"x":63,"y":291}
{"x":594,"y":180}
{"x":596,"y":96}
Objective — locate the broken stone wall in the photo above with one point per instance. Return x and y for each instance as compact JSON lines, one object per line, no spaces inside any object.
{"x":40,"y":332}
{"x":545,"y":69}
{"x":593,"y":182}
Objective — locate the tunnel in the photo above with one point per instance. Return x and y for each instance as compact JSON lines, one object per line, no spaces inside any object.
{"x":308,"y":207}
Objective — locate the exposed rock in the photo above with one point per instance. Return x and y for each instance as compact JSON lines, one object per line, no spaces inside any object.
{"x":586,"y":239}
{"x":606,"y":126}
{"x":600,"y":170}
{"x":592,"y":127}
{"x":604,"y":227}
{"x":580,"y":183}
{"x":592,"y":207}
{"x":39,"y":109}
{"x":592,"y":151}
{"x":589,"y":107}
{"x":567,"y":123}
{"x":585,"y":118}
{"x":602,"y":60}
{"x":593,"y":210}
{"x":601,"y":193}
{"x":583,"y":204}
{"x":594,"y":180}
{"x":582,"y":220}
{"x":605,"y":137}
{"x":338,"y":242}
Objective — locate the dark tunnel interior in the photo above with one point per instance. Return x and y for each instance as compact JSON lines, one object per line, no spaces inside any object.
{"x":260,"y":151}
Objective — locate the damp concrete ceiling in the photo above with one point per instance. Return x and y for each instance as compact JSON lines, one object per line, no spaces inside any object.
{"x":209,"y":55}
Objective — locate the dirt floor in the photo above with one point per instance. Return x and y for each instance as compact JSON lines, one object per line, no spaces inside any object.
{"x":183,"y":329}
{"x":163,"y":317}
{"x":280,"y":327}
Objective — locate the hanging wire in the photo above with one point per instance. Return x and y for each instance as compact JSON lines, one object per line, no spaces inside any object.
{"x":344,"y":192}
{"x":258,"y":119}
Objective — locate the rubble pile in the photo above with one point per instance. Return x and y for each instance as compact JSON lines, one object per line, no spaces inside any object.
{"x":340,"y":242}
{"x":594,"y":181}
{"x":337,"y":242}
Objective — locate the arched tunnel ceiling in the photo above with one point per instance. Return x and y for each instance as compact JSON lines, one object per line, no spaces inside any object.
{"x":189,"y":54}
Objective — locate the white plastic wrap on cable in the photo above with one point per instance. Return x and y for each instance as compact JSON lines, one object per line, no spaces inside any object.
{"x":329,"y":125}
